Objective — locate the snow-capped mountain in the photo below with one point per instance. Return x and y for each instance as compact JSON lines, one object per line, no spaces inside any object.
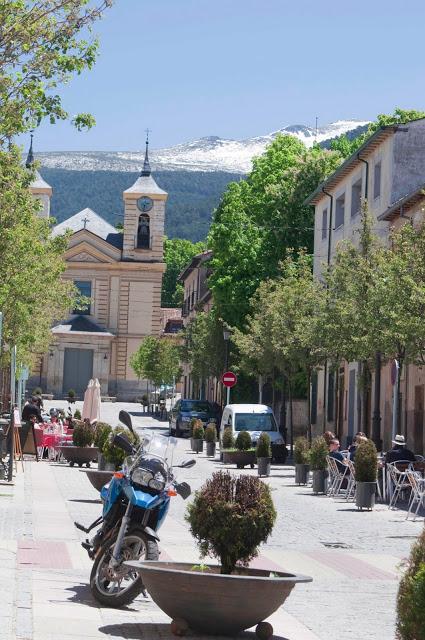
{"x":206,"y":154}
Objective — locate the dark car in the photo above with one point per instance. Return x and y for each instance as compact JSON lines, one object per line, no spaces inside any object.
{"x":183,"y":412}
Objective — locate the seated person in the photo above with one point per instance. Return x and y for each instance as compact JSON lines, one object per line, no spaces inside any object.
{"x":360,"y":436}
{"x":329,"y":436}
{"x":399,"y":451}
{"x":337,"y":455}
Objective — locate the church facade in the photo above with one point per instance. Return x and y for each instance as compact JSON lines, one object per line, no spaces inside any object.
{"x":120,"y":275}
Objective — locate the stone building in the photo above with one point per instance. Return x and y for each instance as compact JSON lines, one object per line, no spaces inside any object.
{"x":388,"y":171}
{"x":121,"y":275}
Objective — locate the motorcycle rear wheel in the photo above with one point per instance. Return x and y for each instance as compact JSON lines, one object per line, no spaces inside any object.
{"x":116,"y":588}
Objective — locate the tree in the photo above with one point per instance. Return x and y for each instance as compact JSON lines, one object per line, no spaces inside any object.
{"x":259,"y":219}
{"x":43,"y":43}
{"x":32,"y":293}
{"x":204,"y":346}
{"x":158,"y":360}
{"x":177,"y":255}
{"x":347,"y":147}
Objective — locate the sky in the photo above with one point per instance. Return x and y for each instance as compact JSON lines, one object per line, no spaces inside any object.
{"x":241,"y":68}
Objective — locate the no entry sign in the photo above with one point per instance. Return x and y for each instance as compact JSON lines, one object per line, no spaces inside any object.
{"x":229,"y":379}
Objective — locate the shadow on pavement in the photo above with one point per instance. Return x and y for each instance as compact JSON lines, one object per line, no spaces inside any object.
{"x":82,"y":595}
{"x":149,"y":631}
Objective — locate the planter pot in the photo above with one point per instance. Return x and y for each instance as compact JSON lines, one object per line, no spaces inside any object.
{"x":101,"y":462}
{"x":98,"y":478}
{"x":365,"y":495}
{"x":301,"y":473}
{"x":319,"y":480}
{"x":240,"y":458}
{"x":192,"y":444}
{"x":279,"y":453}
{"x":79,"y":455}
{"x":263,"y":466}
{"x":198,"y":445}
{"x":212,"y":603}
{"x":211,"y":449}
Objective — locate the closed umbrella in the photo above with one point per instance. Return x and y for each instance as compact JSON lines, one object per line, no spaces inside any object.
{"x":96,"y":401}
{"x":88,"y":399}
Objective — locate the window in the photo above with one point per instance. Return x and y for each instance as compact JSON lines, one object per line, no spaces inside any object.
{"x":84,"y":289}
{"x":339,"y":211}
{"x":377,"y":180}
{"x":356,"y":197}
{"x":255,"y":422}
{"x":324,"y":224}
{"x":143,"y":232}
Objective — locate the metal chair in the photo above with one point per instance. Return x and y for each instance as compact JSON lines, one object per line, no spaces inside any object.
{"x":351,"y":487}
{"x":337,"y":476}
{"x":398,"y":477}
{"x":417,"y":483}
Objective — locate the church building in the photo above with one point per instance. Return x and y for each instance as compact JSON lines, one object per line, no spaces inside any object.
{"x":121,"y":275}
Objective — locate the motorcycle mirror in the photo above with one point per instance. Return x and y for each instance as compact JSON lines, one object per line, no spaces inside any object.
{"x":183,"y":489}
{"x":119,"y":440}
{"x":125,"y":418}
{"x":188,"y":464}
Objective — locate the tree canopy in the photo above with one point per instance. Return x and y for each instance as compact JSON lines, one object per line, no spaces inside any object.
{"x":43,"y":43}
{"x":158,"y":360}
{"x":177,"y":255}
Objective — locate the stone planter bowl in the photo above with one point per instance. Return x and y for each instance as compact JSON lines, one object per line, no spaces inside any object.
{"x":212,"y":603}
{"x":240,"y":458}
{"x":365,"y":495}
{"x":211,"y":449}
{"x":263,"y":466}
{"x":198,"y":445}
{"x":301,"y":473}
{"x":97,"y":478}
{"x":319,"y":480}
{"x":79,"y":455}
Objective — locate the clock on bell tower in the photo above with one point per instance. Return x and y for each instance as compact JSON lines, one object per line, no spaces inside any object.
{"x":144,"y":213}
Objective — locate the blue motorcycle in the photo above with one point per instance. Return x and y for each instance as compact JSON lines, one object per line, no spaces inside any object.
{"x":135,"y":504}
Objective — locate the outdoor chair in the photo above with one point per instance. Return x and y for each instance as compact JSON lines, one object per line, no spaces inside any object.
{"x":337,"y":477}
{"x":351,"y":488}
{"x":419,"y":458}
{"x":417,"y":483}
{"x":398,"y":479}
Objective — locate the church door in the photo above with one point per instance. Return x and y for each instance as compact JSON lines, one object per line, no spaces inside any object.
{"x":77,"y":370}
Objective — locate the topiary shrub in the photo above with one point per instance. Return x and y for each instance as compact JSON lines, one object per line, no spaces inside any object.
{"x":83,"y":434}
{"x":114,"y":454}
{"x":228,"y":440}
{"x":243,"y":441}
{"x":77,"y":414}
{"x":101,"y":434}
{"x":411,"y":595}
{"x":263,"y":449}
{"x":195,"y":422}
{"x":198,"y":432}
{"x":301,"y":451}
{"x":366,"y":462}
{"x":318,"y":453}
{"x":230,"y":517}
{"x":211,"y":433}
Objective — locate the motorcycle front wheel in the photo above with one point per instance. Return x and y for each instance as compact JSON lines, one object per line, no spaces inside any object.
{"x":116,"y":587}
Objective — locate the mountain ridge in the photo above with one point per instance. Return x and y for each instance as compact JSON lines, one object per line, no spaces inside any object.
{"x":208,"y":154}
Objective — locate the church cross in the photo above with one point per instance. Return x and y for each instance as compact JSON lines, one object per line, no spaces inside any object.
{"x":86,"y":220}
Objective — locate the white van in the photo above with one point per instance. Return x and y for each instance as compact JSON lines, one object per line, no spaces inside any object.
{"x":254,"y":418}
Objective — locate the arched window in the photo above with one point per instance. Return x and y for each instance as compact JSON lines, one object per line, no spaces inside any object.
{"x":143,"y":232}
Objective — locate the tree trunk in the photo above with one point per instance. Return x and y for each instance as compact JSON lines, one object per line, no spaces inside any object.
{"x":291,"y":422}
{"x":309,"y":405}
{"x":336,"y":404}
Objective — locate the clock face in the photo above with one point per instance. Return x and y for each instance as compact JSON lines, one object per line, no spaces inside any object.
{"x":145,"y":204}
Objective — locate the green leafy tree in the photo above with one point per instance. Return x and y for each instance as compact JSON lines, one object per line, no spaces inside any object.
{"x":346,"y":147}
{"x":43,"y":43}
{"x":157,"y":359}
{"x":204,"y":346}
{"x":259,"y":219}
{"x":32,"y":293}
{"x":177,"y":255}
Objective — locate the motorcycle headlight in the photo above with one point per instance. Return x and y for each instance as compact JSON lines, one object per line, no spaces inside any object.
{"x":157,"y":482}
{"x":141,"y":476}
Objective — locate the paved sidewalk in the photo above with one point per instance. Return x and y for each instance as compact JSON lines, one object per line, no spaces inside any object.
{"x":353,"y":558}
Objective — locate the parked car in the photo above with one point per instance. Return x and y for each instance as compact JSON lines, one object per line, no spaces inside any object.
{"x":255,"y":418}
{"x":183,"y":412}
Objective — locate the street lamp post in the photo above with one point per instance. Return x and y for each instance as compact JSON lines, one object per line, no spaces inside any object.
{"x":226,"y":337}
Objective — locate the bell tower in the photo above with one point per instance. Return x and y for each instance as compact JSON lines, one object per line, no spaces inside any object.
{"x":39,"y":187}
{"x":144,"y":213}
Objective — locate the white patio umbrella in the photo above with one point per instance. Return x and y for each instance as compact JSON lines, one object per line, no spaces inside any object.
{"x":88,"y":399}
{"x":96,"y":402}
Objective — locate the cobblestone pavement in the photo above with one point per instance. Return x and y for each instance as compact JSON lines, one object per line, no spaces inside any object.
{"x":353,"y":558}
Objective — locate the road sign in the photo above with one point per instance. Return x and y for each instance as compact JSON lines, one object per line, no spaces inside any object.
{"x":229,"y":379}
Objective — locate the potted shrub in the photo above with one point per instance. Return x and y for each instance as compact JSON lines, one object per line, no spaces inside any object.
{"x":243,"y":453}
{"x":227,"y":443}
{"x":114,"y":455}
{"x":71,"y":396}
{"x":366,"y":467}
{"x":318,"y":464}
{"x":301,"y":460}
{"x":195,"y":422}
{"x":411,"y":595}
{"x":101,"y":434}
{"x":198,"y":438}
{"x":77,"y":414}
{"x":264,"y":454}
{"x":229,"y":518}
{"x":82,"y":451}
{"x":210,"y":439}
